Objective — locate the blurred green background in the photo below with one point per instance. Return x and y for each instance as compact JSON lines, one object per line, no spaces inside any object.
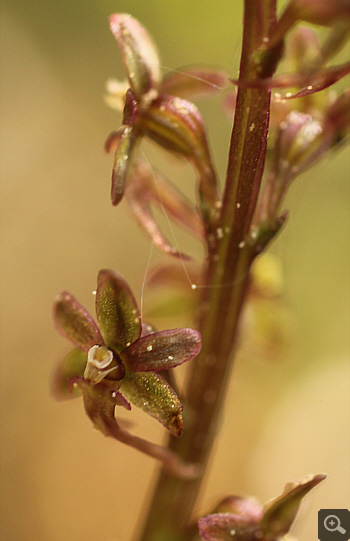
{"x":60,"y":479}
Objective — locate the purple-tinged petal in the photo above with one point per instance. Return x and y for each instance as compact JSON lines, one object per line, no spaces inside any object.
{"x":117,"y":312}
{"x":149,"y":185}
{"x":122,"y":163}
{"x":313,"y":82}
{"x":225,"y":526}
{"x":163,"y":350}
{"x":139,"y":53}
{"x":191,"y":82}
{"x":280,"y":513}
{"x":151,"y":393}
{"x":323,"y":80}
{"x":139,"y":194}
{"x":74,"y":322}
{"x":73,"y":364}
{"x":148,"y":224}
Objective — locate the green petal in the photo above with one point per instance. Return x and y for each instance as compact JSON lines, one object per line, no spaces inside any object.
{"x":74,"y":322}
{"x":151,"y":393}
{"x":281,"y":512}
{"x":73,"y":364}
{"x":163,"y":350}
{"x":122,"y":163}
{"x":117,"y":311}
{"x":139,"y":53}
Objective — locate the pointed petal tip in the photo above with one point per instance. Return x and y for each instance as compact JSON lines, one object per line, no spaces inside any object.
{"x":175,"y":426}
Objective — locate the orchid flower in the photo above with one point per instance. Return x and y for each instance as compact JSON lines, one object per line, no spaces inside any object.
{"x":152,"y":107}
{"x":117,"y":362}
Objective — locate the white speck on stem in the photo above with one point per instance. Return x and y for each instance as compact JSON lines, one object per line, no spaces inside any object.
{"x":114,"y":394}
{"x":288,"y":95}
{"x":238,"y":205}
{"x":241,"y":244}
{"x":170,"y":357}
{"x":94,"y":292}
{"x":193,"y":286}
{"x":309,"y":87}
{"x":233,"y":532}
{"x":251,"y":127}
{"x":149,"y":348}
{"x":128,"y":344}
{"x":219,"y":233}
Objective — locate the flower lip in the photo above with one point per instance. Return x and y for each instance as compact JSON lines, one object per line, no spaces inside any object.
{"x":103,"y":363}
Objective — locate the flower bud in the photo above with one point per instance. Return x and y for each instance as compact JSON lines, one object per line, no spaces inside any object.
{"x":299,"y":143}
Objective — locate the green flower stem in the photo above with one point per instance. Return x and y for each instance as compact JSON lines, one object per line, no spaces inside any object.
{"x":227,"y":277}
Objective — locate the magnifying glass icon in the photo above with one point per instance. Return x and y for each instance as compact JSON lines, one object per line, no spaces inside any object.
{"x":332,"y":524}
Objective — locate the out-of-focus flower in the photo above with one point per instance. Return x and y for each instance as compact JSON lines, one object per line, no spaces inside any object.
{"x":118,"y":360}
{"x":305,"y":124}
{"x":149,"y":187}
{"x":237,"y":518}
{"x":174,"y":296}
{"x":153,"y":108}
{"x":322,"y":12}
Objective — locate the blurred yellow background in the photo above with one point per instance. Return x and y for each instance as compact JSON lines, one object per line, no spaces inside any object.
{"x":59,"y":478}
